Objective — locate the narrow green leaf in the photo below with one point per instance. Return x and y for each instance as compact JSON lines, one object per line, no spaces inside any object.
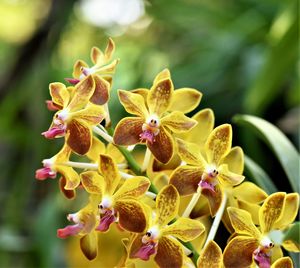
{"x":259,"y":176}
{"x":279,"y":144}
{"x":293,"y":233}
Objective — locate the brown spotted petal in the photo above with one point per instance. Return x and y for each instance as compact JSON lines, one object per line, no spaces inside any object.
{"x":131,"y":215}
{"x":177,"y":122}
{"x":185,"y":100}
{"x":164,"y":74}
{"x":89,"y":245}
{"x":101,"y":93}
{"x":284,"y":262}
{"x":59,"y":93}
{"x":163,"y":146}
{"x":211,"y":256}
{"x":160,"y":96}
{"x":128,"y":131}
{"x":167,"y":204}
{"x":214,"y":199}
{"x":186,"y":179}
{"x":271,"y":211}
{"x":80,"y":136}
{"x":169,"y":253}
{"x":133,"y":103}
{"x":185,"y":229}
{"x":93,"y":182}
{"x":239,"y":251}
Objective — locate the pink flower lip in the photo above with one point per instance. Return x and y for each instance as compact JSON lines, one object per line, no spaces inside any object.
{"x":146,"y":251}
{"x":147,"y":136}
{"x":54,"y":132}
{"x":69,"y":230}
{"x":44,"y":173}
{"x":261,"y":258}
{"x":106,"y":220}
{"x":72,"y":81}
{"x":51,"y":106}
{"x":206,"y":185}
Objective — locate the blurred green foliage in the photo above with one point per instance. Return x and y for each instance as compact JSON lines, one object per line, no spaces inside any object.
{"x":242,"y":55}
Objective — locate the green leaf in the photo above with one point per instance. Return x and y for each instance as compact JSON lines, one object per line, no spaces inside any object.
{"x":293,"y":233}
{"x":279,"y":144}
{"x":259,"y":176}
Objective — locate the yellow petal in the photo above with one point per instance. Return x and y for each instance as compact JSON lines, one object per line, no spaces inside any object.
{"x":160,"y":96}
{"x":290,"y":211}
{"x":178,"y":122}
{"x":83,"y":92}
{"x":80,"y":136}
{"x":164,"y":74}
{"x":109,"y":50}
{"x":211,"y":256}
{"x":101,"y":93}
{"x":93,"y":182}
{"x":89,"y":245}
{"x":92,"y":114}
{"x":109,"y":171}
{"x":167,"y":204}
{"x":239,"y":251}
{"x":77,"y":68}
{"x":218,"y":143}
{"x":132,"y":188}
{"x":185,"y":100}
{"x":59,"y":94}
{"x":108,"y":69}
{"x":98,"y":147}
{"x":70,"y":194}
{"x":276,"y":253}
{"x":132,"y":216}
{"x":214,"y":199}
{"x":186,"y":179}
{"x":115,"y":154}
{"x":133,"y":103}
{"x":235,"y":160}
{"x":72,"y":178}
{"x":271,"y":211}
{"x":63,"y":155}
{"x":128,"y":131}
{"x":242,"y":222}
{"x":141,"y":91}
{"x":169,"y":253}
{"x":96,"y":55}
{"x":284,"y":262}
{"x":252,"y":208}
{"x":228,"y":178}
{"x":163,"y":146}
{"x":249,"y":192}
{"x":185,"y":229}
{"x":291,"y":246}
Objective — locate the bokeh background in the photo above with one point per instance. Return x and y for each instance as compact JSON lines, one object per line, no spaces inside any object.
{"x":242,"y":55}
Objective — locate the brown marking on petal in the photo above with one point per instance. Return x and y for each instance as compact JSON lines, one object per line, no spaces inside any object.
{"x":89,"y":245}
{"x":239,"y":252}
{"x":164,"y":74}
{"x":169,"y":253}
{"x":70,"y":194}
{"x":133,"y":103}
{"x":92,"y":182}
{"x":135,"y":245}
{"x":128,"y":130}
{"x":178,"y":122}
{"x":163,"y":146}
{"x":80,"y":137}
{"x":211,"y":256}
{"x":131,"y":215}
{"x":186,"y":179}
{"x":160,"y":96}
{"x":214,"y":199}
{"x":284,"y":262}
{"x":59,"y":94}
{"x":77,"y":69}
{"x":101,"y":93}
{"x":96,"y":55}
{"x":109,"y":50}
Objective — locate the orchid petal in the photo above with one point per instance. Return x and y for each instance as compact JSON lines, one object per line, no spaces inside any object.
{"x":291,"y":246}
{"x":92,"y":114}
{"x":249,"y":192}
{"x":128,"y":131}
{"x":186,"y":179}
{"x":133,"y":103}
{"x":93,"y":182}
{"x":271,"y":211}
{"x":218,"y":143}
{"x":177,"y":122}
{"x":89,"y":245}
{"x":69,"y":194}
{"x":60,"y":95}
{"x":164,"y":74}
{"x":235,"y":160}
{"x":252,"y":208}
{"x":185,"y":100}
{"x":211,"y":256}
{"x":77,"y":69}
{"x":169,"y":253}
{"x":101,"y":93}
{"x":108,"y":68}
{"x":167,"y":204}
{"x":96,"y":55}
{"x":109,"y":50}
{"x":284,"y":262}
{"x":228,"y":178}
{"x":72,"y":177}
{"x":115,"y":153}
{"x":97,"y":147}
{"x":214,"y":198}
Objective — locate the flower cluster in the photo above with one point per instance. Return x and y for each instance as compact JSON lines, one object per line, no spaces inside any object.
{"x":171,"y":205}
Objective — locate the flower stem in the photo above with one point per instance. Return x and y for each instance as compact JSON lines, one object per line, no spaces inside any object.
{"x":103,"y":134}
{"x":192,"y":203}
{"x":125,"y":175}
{"x":107,"y":118}
{"x":146,"y":159}
{"x":217,"y":220}
{"x":80,"y":165}
{"x":195,"y":255}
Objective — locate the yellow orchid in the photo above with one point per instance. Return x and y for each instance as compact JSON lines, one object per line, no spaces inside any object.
{"x":153,"y":123}
{"x":116,"y":205}
{"x":54,"y":165}
{"x":211,"y":256}
{"x":160,"y":237}
{"x":261,"y":246}
{"x":101,"y":71}
{"x":77,"y":115}
{"x":213,"y":172}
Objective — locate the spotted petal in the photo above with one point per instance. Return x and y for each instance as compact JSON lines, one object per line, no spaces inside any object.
{"x":271,"y":211}
{"x":211,"y":256}
{"x":169,"y":253}
{"x":59,"y":93}
{"x":239,"y":251}
{"x":185,"y":229}
{"x":164,"y":74}
{"x":185,"y":100}
{"x":178,"y":122}
{"x":235,"y":160}
{"x":218,"y":143}
{"x":242,"y":222}
{"x":128,"y":131}
{"x":92,"y":114}
{"x":101,"y":93}
{"x":284,"y":262}
{"x":167,"y":204}
{"x":133,"y":103}
{"x":132,"y":188}
{"x":93,"y":182}
{"x":89,"y":245}
{"x":160,"y":96}
{"x":132,"y":216}
{"x":228,"y":178}
{"x":186,"y":179}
